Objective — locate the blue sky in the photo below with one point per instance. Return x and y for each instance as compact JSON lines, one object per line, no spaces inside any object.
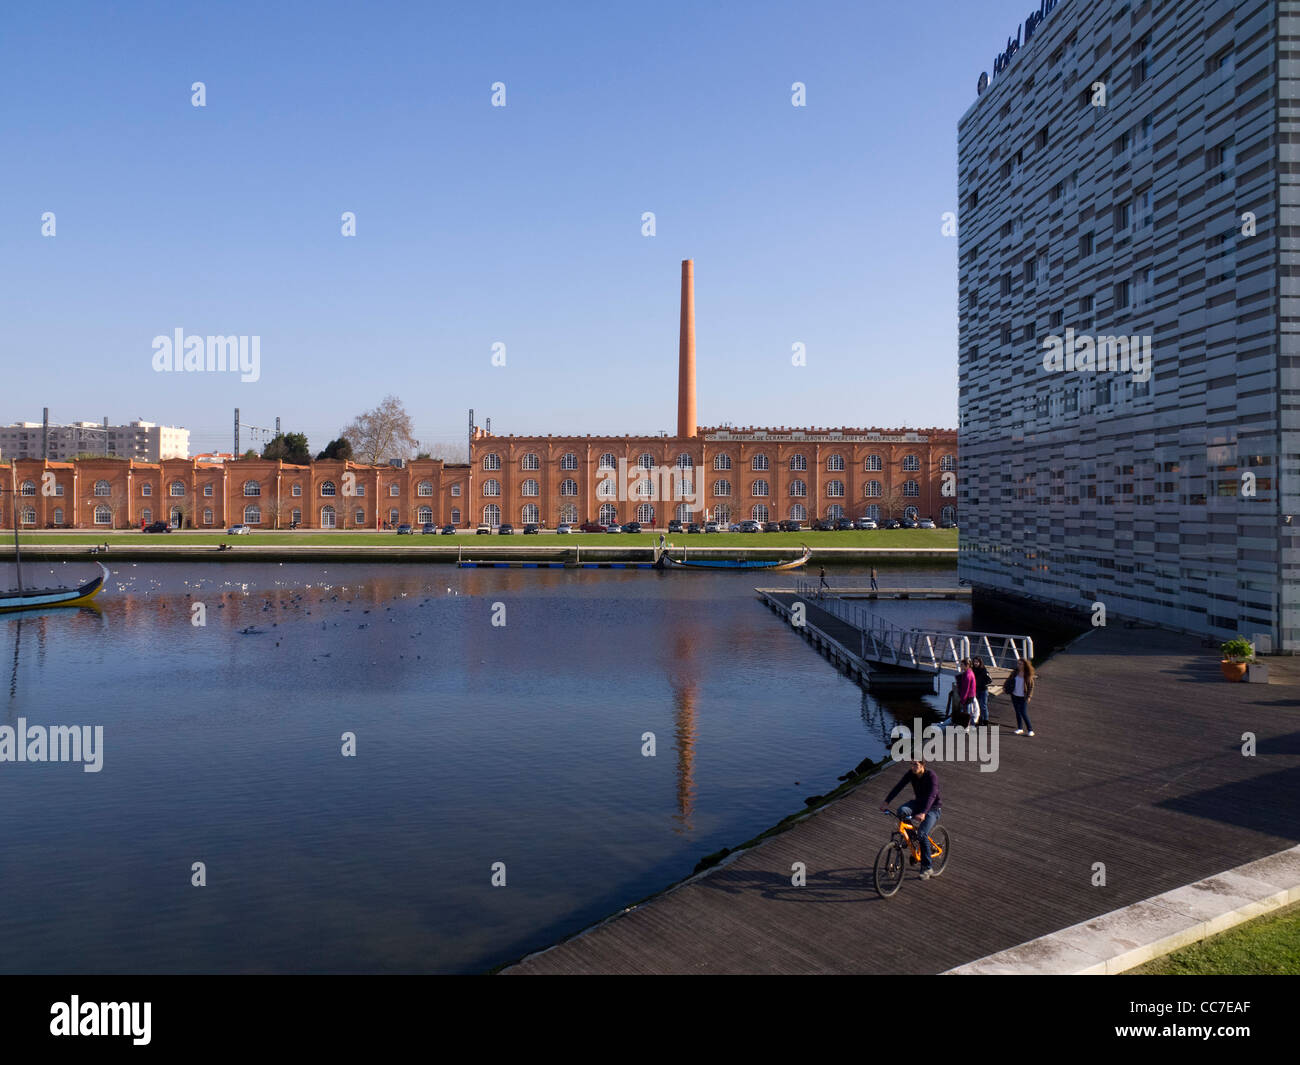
{"x":476,"y":225}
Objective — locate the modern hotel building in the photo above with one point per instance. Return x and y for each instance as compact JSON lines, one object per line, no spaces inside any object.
{"x":1128,"y":178}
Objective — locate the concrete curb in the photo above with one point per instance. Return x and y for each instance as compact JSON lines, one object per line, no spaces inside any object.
{"x":1132,"y":935}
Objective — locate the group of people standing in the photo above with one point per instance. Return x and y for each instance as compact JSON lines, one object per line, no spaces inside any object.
{"x":969,"y":696}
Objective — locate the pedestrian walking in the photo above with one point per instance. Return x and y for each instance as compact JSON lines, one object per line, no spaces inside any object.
{"x":1020,"y":686}
{"x":874,"y":588}
{"x":966,"y":686}
{"x":822,"y":582}
{"x":982,"y":681}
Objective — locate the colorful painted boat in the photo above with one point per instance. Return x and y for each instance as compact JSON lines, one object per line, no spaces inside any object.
{"x":666,"y":561}
{"x":42,"y":598}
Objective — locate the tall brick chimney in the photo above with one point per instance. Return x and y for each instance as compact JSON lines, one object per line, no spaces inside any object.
{"x":686,"y":424}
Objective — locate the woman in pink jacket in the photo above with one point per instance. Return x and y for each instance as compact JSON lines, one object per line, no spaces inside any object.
{"x":966,"y":692}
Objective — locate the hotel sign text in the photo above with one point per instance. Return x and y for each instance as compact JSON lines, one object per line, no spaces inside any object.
{"x":1023,"y":33}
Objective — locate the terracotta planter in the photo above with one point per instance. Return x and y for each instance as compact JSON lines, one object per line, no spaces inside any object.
{"x":1232,"y":670}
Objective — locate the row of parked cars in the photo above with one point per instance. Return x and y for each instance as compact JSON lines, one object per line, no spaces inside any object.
{"x":747,"y":526}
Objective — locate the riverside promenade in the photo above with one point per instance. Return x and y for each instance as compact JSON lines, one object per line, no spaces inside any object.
{"x":1137,"y":764}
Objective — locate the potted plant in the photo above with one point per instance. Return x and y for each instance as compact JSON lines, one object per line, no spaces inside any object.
{"x":1237,"y":653}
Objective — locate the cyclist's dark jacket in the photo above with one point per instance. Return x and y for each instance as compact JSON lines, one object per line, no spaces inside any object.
{"x":925,"y":788}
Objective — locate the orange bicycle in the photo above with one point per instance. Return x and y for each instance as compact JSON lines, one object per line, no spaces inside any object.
{"x":890,"y":862}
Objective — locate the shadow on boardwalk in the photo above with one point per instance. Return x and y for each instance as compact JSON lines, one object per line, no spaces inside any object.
{"x":1136,"y":769}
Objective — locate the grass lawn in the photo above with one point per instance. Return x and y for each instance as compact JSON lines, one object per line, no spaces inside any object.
{"x":908,"y":538}
{"x":1266,"y":946}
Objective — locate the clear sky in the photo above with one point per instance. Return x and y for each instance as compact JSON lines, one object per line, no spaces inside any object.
{"x":479,"y":225}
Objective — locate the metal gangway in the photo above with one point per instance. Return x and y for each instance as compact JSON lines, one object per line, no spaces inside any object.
{"x":927,"y":650}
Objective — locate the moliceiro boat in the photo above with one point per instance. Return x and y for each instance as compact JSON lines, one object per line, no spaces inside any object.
{"x":666,"y":561}
{"x":39,"y":598}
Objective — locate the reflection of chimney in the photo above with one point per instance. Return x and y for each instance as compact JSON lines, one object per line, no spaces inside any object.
{"x":686,"y":354}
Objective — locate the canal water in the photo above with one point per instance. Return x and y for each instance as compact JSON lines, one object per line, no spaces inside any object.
{"x":499,"y":716}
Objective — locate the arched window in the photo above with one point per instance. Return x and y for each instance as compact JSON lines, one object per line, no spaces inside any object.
{"x":28,"y":488}
{"x":722,"y":488}
{"x":103,"y":515}
{"x":835,"y":512}
{"x":645,"y":489}
{"x":455,"y":515}
{"x":646,"y":460}
{"x":759,"y":512}
{"x":424,"y":515}
{"x":871,"y":489}
{"x":29,"y":515}
{"x":608,"y":514}
{"x":492,"y":461}
{"x":911,"y":488}
{"x":759,"y":462}
{"x":530,"y":462}
{"x":606,"y":489}
{"x":911,"y":513}
{"x":394,"y":517}
{"x":874,"y":464}
{"x":835,"y":462}
{"x":252,"y":514}
{"x":722,"y":462}
{"x":948,"y":462}
{"x":911,"y":462}
{"x":177,"y":488}
{"x":394,"y":489}
{"x":568,"y":487}
{"x":799,"y":512}
{"x":872,"y":512}
{"x":424,"y":488}
{"x":684,"y":512}
{"x":455,"y":490}
{"x":758,"y":488}
{"x":58,"y":515}
{"x":798,"y":462}
{"x":177,"y":518}
{"x":569,"y":513}
{"x":252,"y":488}
{"x":327,"y":517}
{"x":948,"y":513}
{"x":722,"y":514}
{"x":295,"y":515}
{"x":684,"y":488}
{"x":569,"y":462}
{"x":207,"y":515}
{"x":492,"y":487}
{"x":834,"y":489}
{"x":530,"y":488}
{"x":529,"y":514}
{"x":102,"y":488}
{"x":645,"y":513}
{"x":492,"y":515}
{"x":607,"y":462}
{"x":146,"y":516}
{"x":146,"y":489}
{"x":798,"y":488}
{"x":685,"y":462}
{"x":295,"y":490}
{"x":327,"y":489}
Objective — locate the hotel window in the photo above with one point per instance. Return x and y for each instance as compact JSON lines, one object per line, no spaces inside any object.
{"x":103,"y":515}
{"x":1223,"y":63}
{"x":874,"y":462}
{"x":1044,"y":135}
{"x":835,"y":463}
{"x":492,"y":461}
{"x":1058,"y":319}
{"x":1072,"y":187}
{"x":146,"y":489}
{"x":455,"y":490}
{"x":1142,"y":60}
{"x":491,"y":487}
{"x":295,"y":491}
{"x":424,"y":488}
{"x":1103,"y":390}
{"x":1142,"y":138}
{"x":455,"y":515}
{"x":177,"y":488}
{"x":911,"y":489}
{"x":530,"y":488}
{"x":102,"y":488}
{"x":758,"y":488}
{"x":569,"y":461}
{"x":1085,"y":244}
{"x":1121,"y":147}
{"x":1006,"y":333}
{"x":1122,"y":296}
{"x":948,"y":462}
{"x":1142,"y":217}
{"x":1221,"y":160}
{"x":252,"y":488}
{"x":530,"y":462}
{"x":295,"y":516}
{"x":606,"y":462}
{"x":685,"y":462}
{"x":798,"y":489}
{"x":834,"y":489}
{"x":798,"y":462}
{"x":1085,"y":304}
{"x":394,"y":490}
{"x":1223,"y":264}
{"x":569,"y":487}
{"x":759,"y":463}
{"x":722,"y":462}
{"x":722,"y":488}
{"x":911,"y":462}
{"x":872,"y":490}
{"x":207,"y":515}
{"x":327,"y":488}
{"x":1006,"y":228}
{"x":1122,"y":216}
{"x":28,"y":488}
{"x":1143,"y":287}
{"x":1006,"y":284}
{"x":1027,"y":332}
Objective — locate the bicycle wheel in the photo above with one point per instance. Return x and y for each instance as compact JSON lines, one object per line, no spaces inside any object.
{"x":939,"y":861}
{"x":889,"y":869}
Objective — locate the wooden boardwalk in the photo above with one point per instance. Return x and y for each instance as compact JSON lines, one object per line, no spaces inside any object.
{"x":1137,"y":764}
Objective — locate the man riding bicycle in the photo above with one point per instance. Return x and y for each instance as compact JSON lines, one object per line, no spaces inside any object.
{"x":923,"y":810}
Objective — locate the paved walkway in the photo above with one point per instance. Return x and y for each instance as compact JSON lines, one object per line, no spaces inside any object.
{"x":1137,"y":765}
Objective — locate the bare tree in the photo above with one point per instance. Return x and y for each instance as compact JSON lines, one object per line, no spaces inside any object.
{"x":382,"y":434}
{"x":115,"y":501}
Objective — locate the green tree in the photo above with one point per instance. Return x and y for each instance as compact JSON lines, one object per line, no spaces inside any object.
{"x":337,"y":449}
{"x":288,"y":447}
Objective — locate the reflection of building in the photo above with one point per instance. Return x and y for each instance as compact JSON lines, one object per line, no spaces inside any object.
{"x":684,"y":679}
{"x":721,"y":473}
{"x":1128,"y":178}
{"x":330,"y":494}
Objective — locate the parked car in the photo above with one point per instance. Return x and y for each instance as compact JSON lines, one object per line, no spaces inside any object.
{"x":822,"y":526}
{"x":449,"y":530}
{"x":234,"y":530}
{"x":163,"y":527}
{"x":748,"y":526}
{"x":506,"y":529}
{"x":772,"y":526}
{"x":844,"y":523}
{"x":947,"y":525}
{"x":674,"y":526}
{"x":889,"y":523}
{"x":712,"y":527}
{"x":694,"y":527}
{"x":632,"y":527}
{"x":531,"y":528}
{"x":591,"y":526}
{"x":790,"y":525}
{"x":483,"y":530}
{"x":907,"y":523}
{"x":428,"y":529}
{"x":404,"y":529}
{"x":866,"y":523}
{"x":614,"y":527}
{"x":563,"y":529}
{"x":925,"y":523}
